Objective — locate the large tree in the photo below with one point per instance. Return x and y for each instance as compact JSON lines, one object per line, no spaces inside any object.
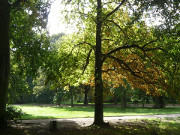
{"x":98,"y":18}
{"x":11,"y":13}
{"x":4,"y":57}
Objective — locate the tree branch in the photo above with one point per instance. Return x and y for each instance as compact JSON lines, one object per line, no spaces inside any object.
{"x":81,"y":44}
{"x":120,"y":62}
{"x":119,"y":27}
{"x":110,"y":3}
{"x":82,"y":14}
{"x":134,"y":73}
{"x":151,"y":49}
{"x":17,"y":3}
{"x":120,"y":48}
{"x":133,"y":46}
{"x":87,"y":61}
{"x":112,"y":12}
{"x":78,"y":45}
{"x":105,"y":71}
{"x":105,"y":39}
{"x":149,"y":43}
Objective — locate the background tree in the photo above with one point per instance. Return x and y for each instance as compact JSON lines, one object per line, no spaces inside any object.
{"x":20,"y":87}
{"x":28,"y":37}
{"x":86,"y":91}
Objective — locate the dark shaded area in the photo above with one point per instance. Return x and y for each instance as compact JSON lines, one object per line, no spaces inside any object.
{"x":142,"y":127}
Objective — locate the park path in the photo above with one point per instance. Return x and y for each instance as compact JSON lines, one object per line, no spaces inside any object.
{"x":82,"y":122}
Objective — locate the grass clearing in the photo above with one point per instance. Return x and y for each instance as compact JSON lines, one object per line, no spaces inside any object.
{"x":43,"y":112}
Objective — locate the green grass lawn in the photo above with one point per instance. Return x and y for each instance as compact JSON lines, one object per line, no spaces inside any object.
{"x":40,"y":112}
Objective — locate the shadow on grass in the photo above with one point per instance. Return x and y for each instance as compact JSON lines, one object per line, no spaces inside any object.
{"x":142,"y":127}
{"x":33,"y":128}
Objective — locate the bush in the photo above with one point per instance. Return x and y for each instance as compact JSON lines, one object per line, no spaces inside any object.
{"x":45,"y":96}
{"x":13,"y":113}
{"x":58,"y":97}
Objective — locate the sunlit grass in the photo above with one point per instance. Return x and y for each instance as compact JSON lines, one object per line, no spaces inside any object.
{"x":170,"y":127}
{"x":41,"y":112}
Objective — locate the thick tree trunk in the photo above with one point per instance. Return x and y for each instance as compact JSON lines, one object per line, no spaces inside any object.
{"x":159,"y":102}
{"x":98,"y":117}
{"x":4,"y":58}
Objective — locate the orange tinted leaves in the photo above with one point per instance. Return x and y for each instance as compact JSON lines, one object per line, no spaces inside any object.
{"x":147,"y":79}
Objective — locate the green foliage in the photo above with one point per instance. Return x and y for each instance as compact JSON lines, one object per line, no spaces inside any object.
{"x":20,"y":86}
{"x":45,"y":96}
{"x":13,"y":113}
{"x":69,"y":59}
{"x":169,"y":59}
{"x":28,"y":45}
{"x":42,"y":91}
{"x":59,"y":96}
{"x":28,"y":39}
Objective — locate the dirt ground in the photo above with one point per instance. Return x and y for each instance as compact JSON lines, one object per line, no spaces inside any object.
{"x":78,"y":123}
{"x":106,"y":105}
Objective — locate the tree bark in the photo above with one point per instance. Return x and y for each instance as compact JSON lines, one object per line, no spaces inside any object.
{"x":159,"y":102}
{"x":98,"y":116}
{"x":4,"y":59}
{"x":115,"y":99}
{"x":147,"y":99}
{"x":86,"y":90}
{"x":72,"y":96}
{"x":123,"y":97}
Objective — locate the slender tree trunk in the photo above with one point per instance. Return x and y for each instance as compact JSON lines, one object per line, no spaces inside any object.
{"x":142,"y":100}
{"x":72,"y":97}
{"x":147,"y":99}
{"x":115,"y":99}
{"x":4,"y":59}
{"x":86,"y":90}
{"x":98,"y":116}
{"x":123,"y":97}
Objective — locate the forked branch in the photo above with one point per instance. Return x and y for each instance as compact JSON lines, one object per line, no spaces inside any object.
{"x":112,"y":12}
